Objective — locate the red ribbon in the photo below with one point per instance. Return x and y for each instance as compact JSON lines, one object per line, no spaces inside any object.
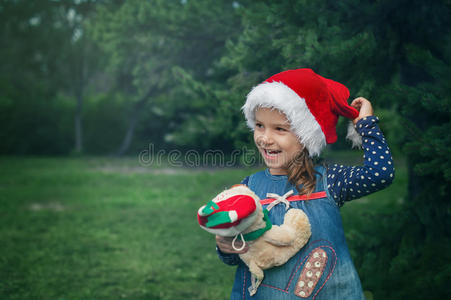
{"x":312,"y":196}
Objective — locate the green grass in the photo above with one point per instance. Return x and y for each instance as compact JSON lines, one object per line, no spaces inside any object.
{"x":100,"y":228}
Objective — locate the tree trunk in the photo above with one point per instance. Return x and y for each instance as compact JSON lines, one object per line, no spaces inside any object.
{"x":81,"y":75}
{"x":129,"y":134}
{"x":133,"y":119}
{"x":78,"y":125}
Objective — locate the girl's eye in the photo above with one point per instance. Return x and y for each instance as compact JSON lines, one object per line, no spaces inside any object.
{"x":280,"y":129}
{"x":258,"y":125}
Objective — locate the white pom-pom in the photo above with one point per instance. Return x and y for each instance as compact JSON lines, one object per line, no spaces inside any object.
{"x":233,"y":215}
{"x":354,"y":136}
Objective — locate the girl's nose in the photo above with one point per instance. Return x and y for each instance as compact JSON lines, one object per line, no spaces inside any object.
{"x":264,"y":140}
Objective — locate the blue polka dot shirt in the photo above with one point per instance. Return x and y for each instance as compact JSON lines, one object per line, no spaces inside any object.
{"x":350,"y":182}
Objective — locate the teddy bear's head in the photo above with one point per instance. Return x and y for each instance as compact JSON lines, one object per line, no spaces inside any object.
{"x":231,"y":212}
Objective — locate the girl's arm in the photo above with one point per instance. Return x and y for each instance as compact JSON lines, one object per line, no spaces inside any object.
{"x":345,"y":182}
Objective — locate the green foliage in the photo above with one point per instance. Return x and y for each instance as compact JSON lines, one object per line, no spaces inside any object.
{"x":42,"y":61}
{"x":427,"y":221}
{"x":157,"y":49}
{"x":32,"y":126}
{"x":396,"y":54}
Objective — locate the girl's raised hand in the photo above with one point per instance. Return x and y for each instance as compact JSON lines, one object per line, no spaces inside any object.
{"x":363,"y":106}
{"x":225,"y":245}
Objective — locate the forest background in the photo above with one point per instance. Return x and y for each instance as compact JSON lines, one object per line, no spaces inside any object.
{"x":118,"y":78}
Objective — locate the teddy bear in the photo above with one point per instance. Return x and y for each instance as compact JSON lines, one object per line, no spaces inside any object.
{"x":237,"y":212}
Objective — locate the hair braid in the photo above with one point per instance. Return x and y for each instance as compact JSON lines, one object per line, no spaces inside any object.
{"x":301,"y":172}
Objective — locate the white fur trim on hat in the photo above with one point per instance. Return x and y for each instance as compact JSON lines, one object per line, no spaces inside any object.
{"x":279,"y":96}
{"x":354,"y":136}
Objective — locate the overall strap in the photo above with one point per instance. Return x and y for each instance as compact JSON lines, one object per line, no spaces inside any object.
{"x":320,"y":174}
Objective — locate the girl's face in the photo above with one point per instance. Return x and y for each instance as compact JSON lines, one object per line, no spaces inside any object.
{"x":274,"y":139}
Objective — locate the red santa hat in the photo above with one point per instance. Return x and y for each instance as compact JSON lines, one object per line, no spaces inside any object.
{"x":311,"y":103}
{"x":230,"y":212}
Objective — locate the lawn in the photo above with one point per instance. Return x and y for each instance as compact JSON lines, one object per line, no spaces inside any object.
{"x":103,"y":228}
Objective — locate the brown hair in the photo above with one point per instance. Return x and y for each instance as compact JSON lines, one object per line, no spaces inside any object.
{"x":301,"y":172}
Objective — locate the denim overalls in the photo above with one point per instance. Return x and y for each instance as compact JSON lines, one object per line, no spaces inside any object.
{"x":323,"y":269}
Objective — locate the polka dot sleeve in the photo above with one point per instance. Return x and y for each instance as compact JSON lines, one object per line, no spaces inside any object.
{"x":351,"y":182}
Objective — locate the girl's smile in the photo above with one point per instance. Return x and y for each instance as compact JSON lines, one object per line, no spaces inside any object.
{"x":276,"y":142}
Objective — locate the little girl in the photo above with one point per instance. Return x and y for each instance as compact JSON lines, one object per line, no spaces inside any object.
{"x":293,"y":115}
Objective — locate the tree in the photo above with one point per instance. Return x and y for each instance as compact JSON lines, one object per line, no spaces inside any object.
{"x":31,"y":60}
{"x":83,"y":62}
{"x":151,"y":44}
{"x":45,"y":56}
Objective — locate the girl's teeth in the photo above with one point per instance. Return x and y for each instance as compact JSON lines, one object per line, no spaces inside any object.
{"x":272,"y":152}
